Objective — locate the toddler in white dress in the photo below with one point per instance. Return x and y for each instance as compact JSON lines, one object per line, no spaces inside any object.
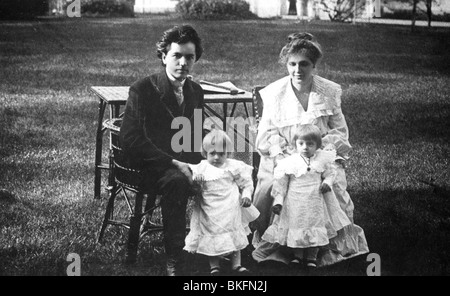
{"x":220,"y":217}
{"x":308,"y":213}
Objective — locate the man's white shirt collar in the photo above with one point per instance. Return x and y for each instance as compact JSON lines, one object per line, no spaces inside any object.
{"x":175,"y":81}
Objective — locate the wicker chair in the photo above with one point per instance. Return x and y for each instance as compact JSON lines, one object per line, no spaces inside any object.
{"x":126,"y":182}
{"x":257,"y":110}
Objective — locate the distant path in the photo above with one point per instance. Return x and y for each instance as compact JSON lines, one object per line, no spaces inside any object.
{"x":403,"y":22}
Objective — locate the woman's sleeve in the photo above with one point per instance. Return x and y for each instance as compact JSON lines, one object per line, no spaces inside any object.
{"x":279,"y":189}
{"x":337,"y":135}
{"x":269,"y":142}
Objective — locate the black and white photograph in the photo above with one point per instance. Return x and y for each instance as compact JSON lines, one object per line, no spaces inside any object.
{"x":247,"y":140}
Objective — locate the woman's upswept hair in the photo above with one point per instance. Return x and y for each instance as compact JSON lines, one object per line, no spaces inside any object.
{"x":181,"y":35}
{"x":218,"y":141}
{"x":302,"y":43}
{"x":307,"y":132}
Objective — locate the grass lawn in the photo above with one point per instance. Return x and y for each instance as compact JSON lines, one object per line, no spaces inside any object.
{"x":396,"y":100}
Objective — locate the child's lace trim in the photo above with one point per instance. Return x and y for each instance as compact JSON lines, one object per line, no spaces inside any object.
{"x":295,"y":165}
{"x":211,"y":173}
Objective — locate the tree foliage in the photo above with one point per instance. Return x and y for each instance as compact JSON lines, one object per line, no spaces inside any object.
{"x":343,"y":10}
{"x":214,"y":9}
{"x":22,"y":9}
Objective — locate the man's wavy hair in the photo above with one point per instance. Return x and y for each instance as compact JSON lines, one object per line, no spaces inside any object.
{"x":181,"y":35}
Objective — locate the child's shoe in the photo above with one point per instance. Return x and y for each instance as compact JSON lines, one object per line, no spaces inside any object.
{"x":241,"y":270}
{"x":311,"y":263}
{"x":311,"y":267}
{"x":215,"y":271}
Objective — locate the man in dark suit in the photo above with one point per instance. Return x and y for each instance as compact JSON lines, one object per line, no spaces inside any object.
{"x":155,"y":105}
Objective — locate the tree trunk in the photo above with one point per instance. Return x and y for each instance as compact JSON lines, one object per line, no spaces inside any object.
{"x":414,"y":12}
{"x":429,"y":12}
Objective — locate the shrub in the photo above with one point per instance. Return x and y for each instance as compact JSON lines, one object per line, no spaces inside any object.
{"x":407,"y":15}
{"x":214,"y":9}
{"x":22,"y":9}
{"x":107,"y":7}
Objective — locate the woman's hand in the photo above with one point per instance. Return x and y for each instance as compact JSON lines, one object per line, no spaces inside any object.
{"x":184,"y":168}
{"x":245,"y":202}
{"x":200,"y":180}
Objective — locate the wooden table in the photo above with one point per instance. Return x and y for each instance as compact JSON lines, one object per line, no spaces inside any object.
{"x":116,"y":96}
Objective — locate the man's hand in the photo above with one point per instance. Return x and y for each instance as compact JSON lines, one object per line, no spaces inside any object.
{"x":184,"y":168}
{"x":200,"y":181}
{"x":276,"y":209}
{"x":245,"y":202}
{"x":324,"y":188}
{"x":199,"y":178}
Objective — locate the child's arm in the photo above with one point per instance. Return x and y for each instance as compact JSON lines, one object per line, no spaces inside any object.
{"x":328,"y":178}
{"x":245,"y":183}
{"x":279,"y":190}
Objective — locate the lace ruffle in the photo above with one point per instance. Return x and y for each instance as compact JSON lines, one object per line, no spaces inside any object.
{"x":211,"y":173}
{"x":297,"y":238}
{"x":216,"y":245}
{"x":295,"y":165}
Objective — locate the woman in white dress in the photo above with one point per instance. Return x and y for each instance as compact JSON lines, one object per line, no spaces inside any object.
{"x":220,"y":217}
{"x":303,"y":97}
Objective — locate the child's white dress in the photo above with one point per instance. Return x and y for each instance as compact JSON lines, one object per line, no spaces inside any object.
{"x":308,"y":217}
{"x":219,"y":225}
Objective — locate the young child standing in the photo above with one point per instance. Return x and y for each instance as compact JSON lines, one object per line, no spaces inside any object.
{"x":308,"y":214}
{"x":220,"y":217}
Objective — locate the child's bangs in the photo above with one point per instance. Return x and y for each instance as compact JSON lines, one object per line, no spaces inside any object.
{"x":219,"y":146}
{"x":217,"y":141}
{"x":308,"y":132}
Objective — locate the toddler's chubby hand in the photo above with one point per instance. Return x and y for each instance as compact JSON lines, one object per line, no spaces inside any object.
{"x":245,"y":202}
{"x":276,"y":209}
{"x":324,"y":188}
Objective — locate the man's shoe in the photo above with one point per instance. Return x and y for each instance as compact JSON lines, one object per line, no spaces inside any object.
{"x":175,"y":265}
{"x":171,"y":267}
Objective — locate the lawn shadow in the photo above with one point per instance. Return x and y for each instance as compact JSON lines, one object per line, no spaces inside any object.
{"x":409,"y":229}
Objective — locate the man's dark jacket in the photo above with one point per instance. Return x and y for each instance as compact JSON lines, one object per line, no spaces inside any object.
{"x":146,"y":133}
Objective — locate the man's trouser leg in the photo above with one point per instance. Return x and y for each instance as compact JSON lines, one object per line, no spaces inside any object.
{"x":175,"y":189}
